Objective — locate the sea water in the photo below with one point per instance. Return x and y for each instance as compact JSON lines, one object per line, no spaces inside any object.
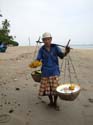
{"x":82,"y":46}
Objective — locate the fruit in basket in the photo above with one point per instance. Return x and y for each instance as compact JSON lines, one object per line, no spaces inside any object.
{"x":68,"y":94}
{"x":35,"y":64}
{"x":72,"y":87}
{"x":36,"y":75}
{"x":38,"y":72}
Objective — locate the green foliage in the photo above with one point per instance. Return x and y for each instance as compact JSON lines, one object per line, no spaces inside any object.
{"x":14,"y":43}
{"x":4,"y":34}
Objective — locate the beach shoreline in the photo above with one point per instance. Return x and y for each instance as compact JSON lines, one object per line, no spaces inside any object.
{"x":19,"y":93}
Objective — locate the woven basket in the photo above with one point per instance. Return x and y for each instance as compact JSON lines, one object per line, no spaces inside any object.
{"x":68,"y":96}
{"x":36,"y":77}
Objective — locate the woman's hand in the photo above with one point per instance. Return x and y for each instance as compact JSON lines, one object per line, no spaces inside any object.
{"x":67,"y":50}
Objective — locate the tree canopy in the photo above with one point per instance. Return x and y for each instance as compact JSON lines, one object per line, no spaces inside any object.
{"x":5,"y":37}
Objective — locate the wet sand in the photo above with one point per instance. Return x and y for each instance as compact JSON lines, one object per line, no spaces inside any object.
{"x":19,"y":100}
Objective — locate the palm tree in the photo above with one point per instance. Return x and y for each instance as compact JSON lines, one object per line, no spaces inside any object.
{"x":5,"y":27}
{"x":5,"y":24}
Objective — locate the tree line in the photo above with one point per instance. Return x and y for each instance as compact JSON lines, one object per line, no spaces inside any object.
{"x":5,"y":37}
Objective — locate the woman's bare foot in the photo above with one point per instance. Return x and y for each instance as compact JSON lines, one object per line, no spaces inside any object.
{"x":56,"y":107}
{"x":50,"y":104}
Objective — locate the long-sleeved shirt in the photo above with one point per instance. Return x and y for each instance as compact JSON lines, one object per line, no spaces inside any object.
{"x":50,"y":64}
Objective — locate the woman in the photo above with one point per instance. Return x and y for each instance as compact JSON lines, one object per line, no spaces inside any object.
{"x":49,"y":54}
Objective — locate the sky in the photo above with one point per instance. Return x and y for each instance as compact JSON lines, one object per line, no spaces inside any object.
{"x":64,"y":19}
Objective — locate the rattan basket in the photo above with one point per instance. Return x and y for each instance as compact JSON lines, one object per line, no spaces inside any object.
{"x":68,"y":95}
{"x":36,"y":77}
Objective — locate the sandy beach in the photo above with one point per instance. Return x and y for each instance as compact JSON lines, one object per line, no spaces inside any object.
{"x":19,"y":100}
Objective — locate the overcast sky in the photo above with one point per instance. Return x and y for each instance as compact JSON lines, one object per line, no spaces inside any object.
{"x":64,"y":19}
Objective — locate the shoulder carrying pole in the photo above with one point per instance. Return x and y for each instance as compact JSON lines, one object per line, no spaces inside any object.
{"x":38,"y":41}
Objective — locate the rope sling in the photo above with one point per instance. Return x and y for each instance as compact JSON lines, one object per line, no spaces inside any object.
{"x":70,"y":86}
{"x":36,"y":74}
{"x":66,"y":66}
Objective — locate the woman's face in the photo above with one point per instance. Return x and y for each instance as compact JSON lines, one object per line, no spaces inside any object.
{"x":47,"y":41}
